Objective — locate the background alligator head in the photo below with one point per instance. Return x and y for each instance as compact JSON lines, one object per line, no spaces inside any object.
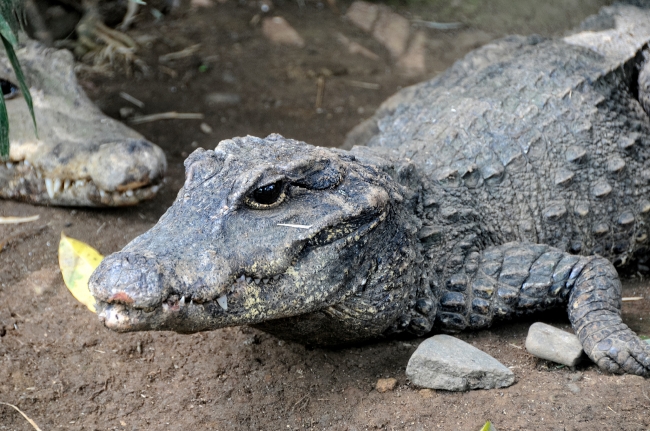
{"x":278,"y":233}
{"x":80,"y":157}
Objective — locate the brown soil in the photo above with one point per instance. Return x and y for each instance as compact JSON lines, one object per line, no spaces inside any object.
{"x":65,"y":371}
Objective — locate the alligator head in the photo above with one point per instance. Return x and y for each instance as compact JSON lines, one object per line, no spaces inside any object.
{"x":80,"y":156}
{"x":309,"y":243}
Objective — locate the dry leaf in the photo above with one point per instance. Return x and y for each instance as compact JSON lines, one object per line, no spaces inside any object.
{"x":77,"y":261}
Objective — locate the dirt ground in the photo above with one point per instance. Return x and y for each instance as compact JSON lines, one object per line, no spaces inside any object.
{"x":65,"y":371}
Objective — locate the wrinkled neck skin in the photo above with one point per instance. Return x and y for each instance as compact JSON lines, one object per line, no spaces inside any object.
{"x":386,"y":290}
{"x":337,"y":261}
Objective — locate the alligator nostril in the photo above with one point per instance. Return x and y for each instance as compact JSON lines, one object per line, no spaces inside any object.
{"x":121,"y":297}
{"x":129,"y":279}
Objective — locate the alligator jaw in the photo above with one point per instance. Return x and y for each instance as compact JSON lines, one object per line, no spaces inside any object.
{"x":22,"y":181}
{"x":80,"y":157}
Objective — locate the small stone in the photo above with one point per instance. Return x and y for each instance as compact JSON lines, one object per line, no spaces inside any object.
{"x":279,"y":31}
{"x":552,"y":344}
{"x":385,"y":385}
{"x":222,"y":99}
{"x":445,"y":362}
{"x":392,"y":30}
{"x":412,"y":63}
{"x":205,"y":128}
{"x":426,"y":393}
{"x":363,"y":15}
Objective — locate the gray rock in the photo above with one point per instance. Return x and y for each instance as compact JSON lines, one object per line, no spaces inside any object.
{"x":552,"y":344}
{"x":445,"y":362}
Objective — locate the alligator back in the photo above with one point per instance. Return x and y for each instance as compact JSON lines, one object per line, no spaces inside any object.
{"x":545,"y":139}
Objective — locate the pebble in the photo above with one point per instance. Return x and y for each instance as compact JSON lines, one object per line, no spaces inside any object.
{"x":385,"y":385}
{"x":445,"y":362}
{"x":279,"y":31}
{"x":412,"y":63}
{"x":205,"y":128}
{"x":363,"y":15}
{"x":392,"y":30}
{"x":553,"y":344}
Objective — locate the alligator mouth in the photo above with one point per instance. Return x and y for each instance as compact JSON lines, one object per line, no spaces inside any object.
{"x":27,"y":182}
{"x":120,"y":314}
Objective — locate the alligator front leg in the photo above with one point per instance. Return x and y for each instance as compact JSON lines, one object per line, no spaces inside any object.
{"x":520,"y":278}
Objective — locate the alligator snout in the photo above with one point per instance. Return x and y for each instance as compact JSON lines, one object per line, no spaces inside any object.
{"x":129,"y":279}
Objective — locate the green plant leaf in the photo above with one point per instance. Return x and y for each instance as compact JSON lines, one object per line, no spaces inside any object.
{"x":7,"y":32}
{"x":21,"y":79}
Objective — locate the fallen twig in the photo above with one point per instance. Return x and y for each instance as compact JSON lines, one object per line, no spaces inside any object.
{"x":439,"y":25}
{"x":366,"y":85}
{"x":24,"y":415}
{"x":631,"y":298}
{"x":320,"y":91}
{"x":17,"y":220}
{"x":179,"y":54}
{"x":128,"y":97}
{"x":173,"y":115}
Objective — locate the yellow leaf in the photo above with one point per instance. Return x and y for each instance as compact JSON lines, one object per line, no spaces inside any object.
{"x":77,"y":261}
{"x":488,"y":427}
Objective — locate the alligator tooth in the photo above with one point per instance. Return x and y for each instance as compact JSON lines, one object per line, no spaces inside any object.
{"x":9,"y":165}
{"x":182,"y":301}
{"x":154,"y":189}
{"x":50,"y":188}
{"x":248,"y":279}
{"x":265,"y":280}
{"x":66,"y":184}
{"x":191,"y":303}
{"x":223,"y":302}
{"x":129,"y":193}
{"x":26,"y":162}
{"x":39,"y":175}
{"x":275,"y":277}
{"x":241,"y":279}
{"x":102,"y":193}
{"x":58,"y":185}
{"x":80,"y":183}
{"x":257,"y":280}
{"x":165,"y":307}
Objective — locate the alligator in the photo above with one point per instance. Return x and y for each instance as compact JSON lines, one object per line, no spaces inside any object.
{"x":515,"y":182}
{"x":79,"y":156}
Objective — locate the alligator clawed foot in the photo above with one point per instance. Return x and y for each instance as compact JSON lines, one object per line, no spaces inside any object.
{"x":622,"y":352}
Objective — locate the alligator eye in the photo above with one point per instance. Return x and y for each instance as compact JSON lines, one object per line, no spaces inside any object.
{"x":267,"y":196}
{"x":9,"y":90}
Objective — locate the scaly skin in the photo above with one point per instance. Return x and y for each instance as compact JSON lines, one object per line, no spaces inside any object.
{"x":80,"y":157}
{"x":510,"y":184}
